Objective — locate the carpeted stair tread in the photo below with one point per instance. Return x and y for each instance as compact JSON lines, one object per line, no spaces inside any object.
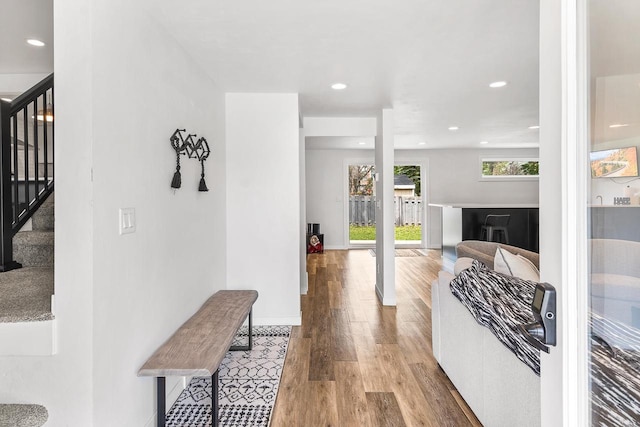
{"x":25,"y":295}
{"x":22,"y":415}
{"x":34,"y":248}
{"x":43,"y":218}
{"x":34,"y":238}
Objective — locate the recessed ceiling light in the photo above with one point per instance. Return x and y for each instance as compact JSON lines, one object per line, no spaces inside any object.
{"x":484,"y":142}
{"x":422,"y":143}
{"x":534,"y":127}
{"x":453,"y":128}
{"x":619,"y":125}
{"x":35,"y":42}
{"x":6,"y":99}
{"x":338,"y":86}
{"x":361,"y":143}
{"x":501,"y":83}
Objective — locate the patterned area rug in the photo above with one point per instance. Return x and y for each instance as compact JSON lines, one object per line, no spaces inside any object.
{"x":248,"y":384}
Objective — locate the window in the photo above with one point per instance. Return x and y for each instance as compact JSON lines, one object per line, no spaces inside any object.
{"x":509,"y":168}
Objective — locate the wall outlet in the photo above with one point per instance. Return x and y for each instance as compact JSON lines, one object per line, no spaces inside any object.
{"x":127,"y":220}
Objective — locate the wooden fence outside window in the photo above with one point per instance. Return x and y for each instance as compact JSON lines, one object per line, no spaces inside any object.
{"x":362,"y":210}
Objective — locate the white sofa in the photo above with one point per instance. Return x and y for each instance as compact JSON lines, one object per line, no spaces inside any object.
{"x":500,"y":389}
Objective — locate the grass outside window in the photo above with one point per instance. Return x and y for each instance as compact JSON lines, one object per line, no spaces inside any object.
{"x":405,"y":232}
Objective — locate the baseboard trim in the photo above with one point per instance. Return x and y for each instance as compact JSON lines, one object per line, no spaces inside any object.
{"x":385,"y":301}
{"x":304,"y":288}
{"x":334,"y":248}
{"x":278,"y":321}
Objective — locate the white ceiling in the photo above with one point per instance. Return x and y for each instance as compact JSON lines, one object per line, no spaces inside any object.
{"x":21,"y":20}
{"x":431,"y":61}
{"x":22,"y":65}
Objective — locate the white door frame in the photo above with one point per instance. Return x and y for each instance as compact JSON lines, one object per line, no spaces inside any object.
{"x":345,"y":182}
{"x":423,"y":163}
{"x":563,"y":206}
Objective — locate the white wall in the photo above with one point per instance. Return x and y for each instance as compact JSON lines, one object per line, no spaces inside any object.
{"x":148,"y":283}
{"x":610,"y":188}
{"x":453,"y":177}
{"x":119,"y":96}
{"x":340,"y":126}
{"x":263,"y":202}
{"x":326,"y":186}
{"x":63,"y":382}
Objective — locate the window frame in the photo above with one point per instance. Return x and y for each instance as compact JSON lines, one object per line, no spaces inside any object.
{"x":489,"y":178}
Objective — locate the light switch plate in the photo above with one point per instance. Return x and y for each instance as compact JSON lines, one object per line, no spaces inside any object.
{"x":127,"y":220}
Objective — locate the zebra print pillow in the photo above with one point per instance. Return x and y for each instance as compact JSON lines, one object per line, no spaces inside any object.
{"x":500,"y":303}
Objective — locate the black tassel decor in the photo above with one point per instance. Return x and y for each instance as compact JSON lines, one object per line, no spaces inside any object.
{"x":177,"y":143}
{"x":203,"y":185}
{"x":202,"y":152}
{"x":176,"y":182}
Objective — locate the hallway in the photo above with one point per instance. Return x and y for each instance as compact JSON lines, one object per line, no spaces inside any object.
{"x":354,"y":362}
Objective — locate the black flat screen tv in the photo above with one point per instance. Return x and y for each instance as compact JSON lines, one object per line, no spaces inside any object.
{"x":617,"y":162}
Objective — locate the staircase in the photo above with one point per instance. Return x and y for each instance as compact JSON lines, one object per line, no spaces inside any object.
{"x":26,"y":292}
{"x":34,"y":248}
{"x":27,"y":321}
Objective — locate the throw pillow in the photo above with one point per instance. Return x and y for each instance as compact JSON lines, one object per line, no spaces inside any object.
{"x":515,"y":265}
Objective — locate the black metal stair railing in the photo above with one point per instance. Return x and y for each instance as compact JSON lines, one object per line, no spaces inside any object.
{"x":26,"y":161}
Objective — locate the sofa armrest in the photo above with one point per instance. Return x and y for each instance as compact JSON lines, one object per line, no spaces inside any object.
{"x":486,"y":255}
{"x":444,"y":277}
{"x":485,"y":252}
{"x":438,"y":286}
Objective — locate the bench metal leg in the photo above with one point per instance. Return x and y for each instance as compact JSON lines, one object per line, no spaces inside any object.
{"x":214,"y":399}
{"x":160,"y":396}
{"x":250,"y":346}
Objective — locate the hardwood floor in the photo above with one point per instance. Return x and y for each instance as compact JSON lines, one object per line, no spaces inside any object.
{"x":354,"y":362}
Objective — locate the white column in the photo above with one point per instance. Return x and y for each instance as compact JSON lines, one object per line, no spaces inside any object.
{"x":385,"y":217}
{"x":263,"y":202}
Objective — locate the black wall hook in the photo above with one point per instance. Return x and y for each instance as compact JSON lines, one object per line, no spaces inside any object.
{"x":198,"y":150}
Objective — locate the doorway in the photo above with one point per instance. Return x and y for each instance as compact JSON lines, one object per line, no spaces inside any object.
{"x":361,"y":219}
{"x":410,"y":211}
{"x":409,"y":206}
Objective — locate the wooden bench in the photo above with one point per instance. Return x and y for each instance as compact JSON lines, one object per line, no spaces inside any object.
{"x":199,"y":345}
